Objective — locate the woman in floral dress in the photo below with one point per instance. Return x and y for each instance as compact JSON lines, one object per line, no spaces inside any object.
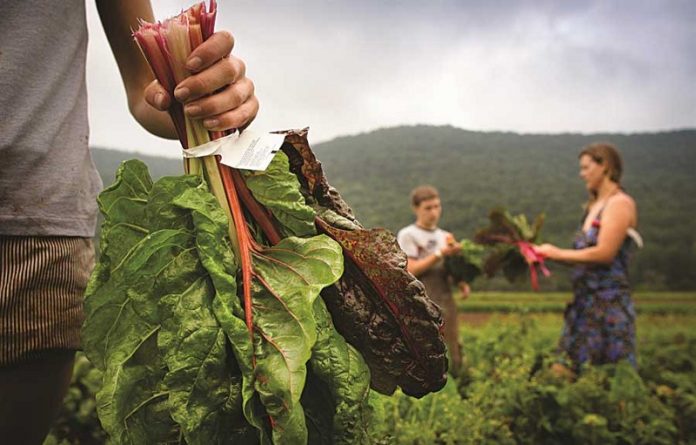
{"x":600,"y":321}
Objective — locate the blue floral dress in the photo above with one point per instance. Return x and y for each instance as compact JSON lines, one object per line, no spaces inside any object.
{"x":600,"y":321}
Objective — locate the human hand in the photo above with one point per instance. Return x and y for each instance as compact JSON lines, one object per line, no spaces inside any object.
{"x":548,"y":251}
{"x":217,"y":91}
{"x":452,"y":247}
{"x":464,"y":289}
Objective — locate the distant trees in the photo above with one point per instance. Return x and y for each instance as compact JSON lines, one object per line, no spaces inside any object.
{"x":476,"y":171}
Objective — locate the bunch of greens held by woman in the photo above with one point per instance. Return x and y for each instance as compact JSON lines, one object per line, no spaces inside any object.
{"x":505,"y":245}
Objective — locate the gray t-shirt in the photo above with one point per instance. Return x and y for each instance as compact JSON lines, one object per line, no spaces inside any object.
{"x":418,"y":243}
{"x":48,"y":182}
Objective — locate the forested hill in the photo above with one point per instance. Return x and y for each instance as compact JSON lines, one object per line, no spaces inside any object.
{"x":476,"y":171}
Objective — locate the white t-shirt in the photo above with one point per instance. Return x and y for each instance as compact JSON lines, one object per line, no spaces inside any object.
{"x":419,"y":243}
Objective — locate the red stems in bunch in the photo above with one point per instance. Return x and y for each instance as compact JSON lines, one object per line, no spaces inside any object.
{"x":533,"y":259}
{"x":167,"y":46}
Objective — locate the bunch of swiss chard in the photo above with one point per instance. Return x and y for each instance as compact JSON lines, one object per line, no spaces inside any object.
{"x":467,"y":264}
{"x":233,"y":306}
{"x":511,"y":239}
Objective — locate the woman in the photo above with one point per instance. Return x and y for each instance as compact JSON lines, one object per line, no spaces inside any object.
{"x":600,"y":322}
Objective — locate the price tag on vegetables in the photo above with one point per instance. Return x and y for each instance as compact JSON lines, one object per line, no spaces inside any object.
{"x":248,"y":150}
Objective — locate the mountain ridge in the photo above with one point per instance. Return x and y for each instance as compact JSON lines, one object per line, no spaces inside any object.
{"x":524,"y":172}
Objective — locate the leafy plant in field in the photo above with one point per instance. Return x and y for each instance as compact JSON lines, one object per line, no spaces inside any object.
{"x":509,"y":394}
{"x":77,"y":423}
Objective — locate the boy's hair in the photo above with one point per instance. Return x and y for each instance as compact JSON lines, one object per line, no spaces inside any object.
{"x":423,"y":193}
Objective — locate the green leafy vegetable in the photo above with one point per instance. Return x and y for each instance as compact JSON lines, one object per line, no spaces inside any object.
{"x":468,"y":264}
{"x":166,"y":326}
{"x":378,"y":306}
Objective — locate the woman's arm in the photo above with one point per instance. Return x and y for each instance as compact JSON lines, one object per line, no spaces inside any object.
{"x":214,"y":70}
{"x":617,"y":217}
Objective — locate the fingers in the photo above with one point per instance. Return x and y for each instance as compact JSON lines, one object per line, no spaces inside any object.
{"x":208,"y":53}
{"x":238,"y":118}
{"x":218,"y":92}
{"x":229,"y":98}
{"x":451,"y":249}
{"x":225,"y":72}
{"x":157,"y":96}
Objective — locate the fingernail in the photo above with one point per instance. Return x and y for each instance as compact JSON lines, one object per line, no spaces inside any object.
{"x":211,"y":123}
{"x":193,"y":110}
{"x":159,"y":100}
{"x":194,"y":63}
{"x":182,"y":93}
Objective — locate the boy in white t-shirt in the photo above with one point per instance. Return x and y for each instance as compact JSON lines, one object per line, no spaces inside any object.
{"x":426,"y":245}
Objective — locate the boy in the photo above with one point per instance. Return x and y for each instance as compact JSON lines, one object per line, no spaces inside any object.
{"x":426,"y":245}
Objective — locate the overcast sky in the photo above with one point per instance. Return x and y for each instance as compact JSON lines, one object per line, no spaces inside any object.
{"x":349,"y":66}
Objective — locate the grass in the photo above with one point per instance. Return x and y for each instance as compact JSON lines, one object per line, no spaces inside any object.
{"x":646,"y":303}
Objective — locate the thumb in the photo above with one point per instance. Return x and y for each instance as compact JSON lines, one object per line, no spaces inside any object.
{"x":157,"y":96}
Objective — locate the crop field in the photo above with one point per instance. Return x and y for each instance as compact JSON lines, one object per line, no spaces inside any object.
{"x":508,"y":393}
{"x":662,"y":303}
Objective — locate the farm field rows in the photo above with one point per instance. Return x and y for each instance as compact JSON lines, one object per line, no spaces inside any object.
{"x":508,"y":393}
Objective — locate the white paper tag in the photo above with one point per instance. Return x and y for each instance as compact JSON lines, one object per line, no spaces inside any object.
{"x":248,"y":151}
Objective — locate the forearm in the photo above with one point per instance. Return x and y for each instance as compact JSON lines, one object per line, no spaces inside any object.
{"x":118,"y":19}
{"x":156,"y":122}
{"x":593,"y":254}
{"x":418,"y":267}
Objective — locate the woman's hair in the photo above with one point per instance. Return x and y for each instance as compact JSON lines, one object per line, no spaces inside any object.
{"x":423,"y":193}
{"x":604,"y":153}
{"x":607,"y":155}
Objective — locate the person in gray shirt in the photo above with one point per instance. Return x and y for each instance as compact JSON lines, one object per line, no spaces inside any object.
{"x":426,"y":245}
{"x":48,"y":183}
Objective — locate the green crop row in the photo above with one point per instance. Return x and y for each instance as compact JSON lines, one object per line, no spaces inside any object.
{"x":508,"y":393}
{"x":506,"y":307}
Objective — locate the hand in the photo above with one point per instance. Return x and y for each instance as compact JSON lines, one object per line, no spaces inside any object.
{"x":452,"y":247}
{"x":218,"y":90}
{"x":464,"y":289}
{"x":548,"y":251}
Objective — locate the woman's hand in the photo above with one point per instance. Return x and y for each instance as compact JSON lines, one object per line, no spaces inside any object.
{"x":549,"y":251}
{"x":218,"y":91}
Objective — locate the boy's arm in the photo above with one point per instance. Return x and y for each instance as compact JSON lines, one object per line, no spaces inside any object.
{"x":418,"y":266}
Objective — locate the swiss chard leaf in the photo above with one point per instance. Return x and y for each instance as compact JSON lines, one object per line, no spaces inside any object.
{"x":288,"y":279}
{"x":123,"y":322}
{"x":278,"y":190}
{"x":203,"y":380}
{"x":346,"y":380}
{"x":377,"y":305}
{"x":150,"y":327}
